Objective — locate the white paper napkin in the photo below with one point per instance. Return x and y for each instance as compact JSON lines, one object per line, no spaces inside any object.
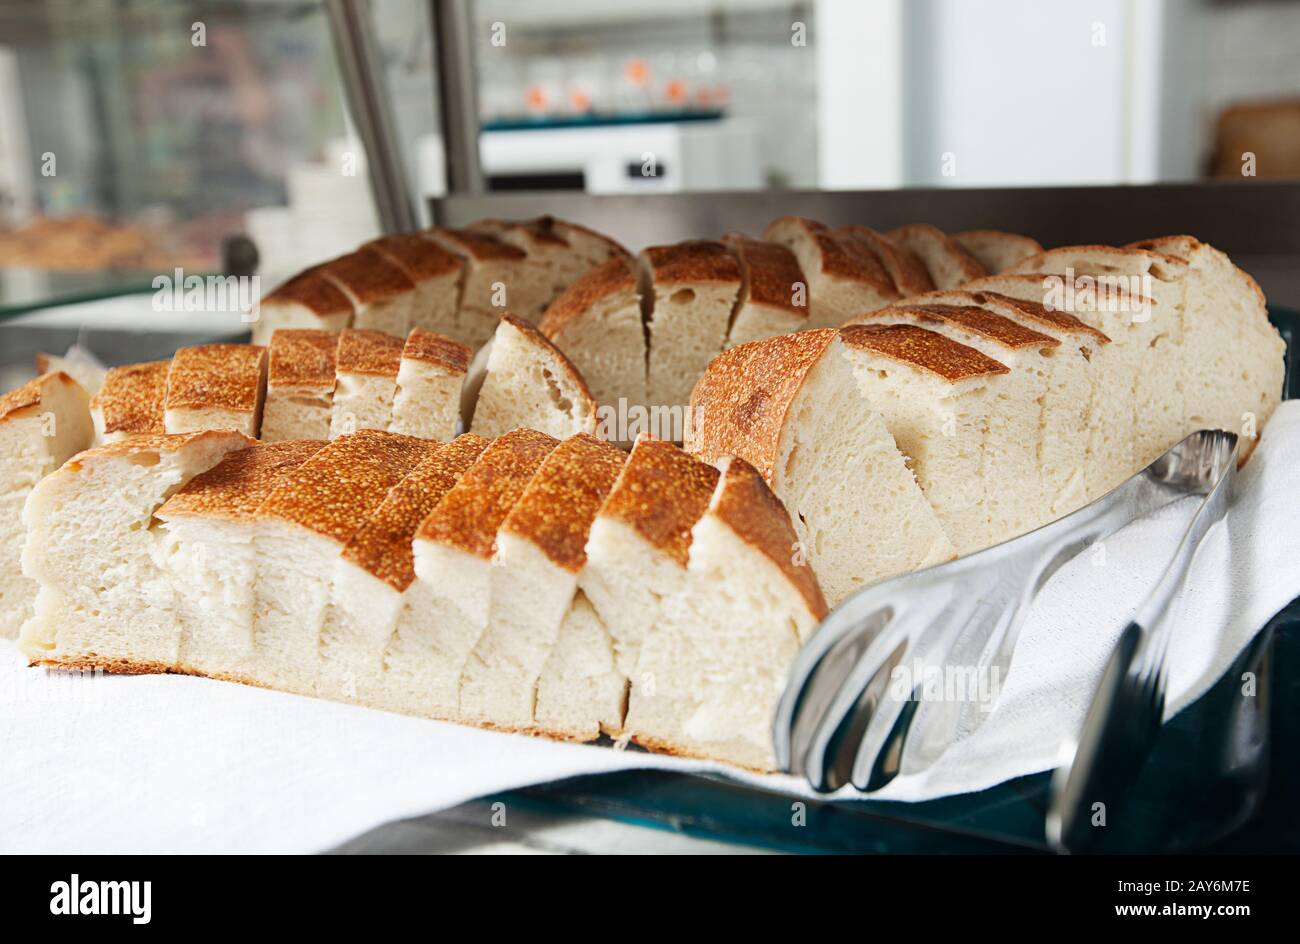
{"x":171,"y":763}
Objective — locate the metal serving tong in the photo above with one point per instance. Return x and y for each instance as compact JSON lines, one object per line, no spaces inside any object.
{"x":903,"y":669}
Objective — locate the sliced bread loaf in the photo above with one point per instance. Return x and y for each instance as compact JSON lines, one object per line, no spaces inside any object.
{"x":773,"y":293}
{"x":947,"y":261}
{"x":381,"y":293}
{"x":844,"y":277}
{"x":365,"y":381}
{"x":905,"y":268}
{"x":216,"y":386}
{"x":429,"y":383}
{"x":299,"y":384}
{"x":308,"y":300}
{"x":131,"y":402}
{"x":493,"y":270}
{"x":436,"y":274}
{"x":996,"y":250}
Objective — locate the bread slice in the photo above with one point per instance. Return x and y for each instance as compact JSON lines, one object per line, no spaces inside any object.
{"x":1016,"y":496}
{"x":368,"y":652}
{"x":905,"y":268}
{"x":381,"y":293}
{"x":936,"y":396}
{"x":529,"y":382}
{"x":216,"y":386}
{"x":42,"y":424}
{"x":552,"y":265}
{"x":453,"y":560}
{"x":844,"y":277}
{"x":593,"y":247}
{"x":714,"y":664}
{"x":375,"y":572}
{"x":365,"y":381}
{"x":437,"y":276}
{"x":947,"y":261}
{"x":299,"y":530}
{"x":773,"y":292}
{"x":640,"y":542}
{"x":103,"y":601}
{"x":493,"y":270}
{"x":856,"y":507}
{"x":205,"y":545}
{"x":429,"y":383}
{"x":581,"y":693}
{"x":78,"y":363}
{"x":131,"y":402}
{"x":597,"y":323}
{"x":299,"y":384}
{"x":691,"y":288}
{"x":308,"y":300}
{"x":996,"y":250}
{"x":540,"y":550}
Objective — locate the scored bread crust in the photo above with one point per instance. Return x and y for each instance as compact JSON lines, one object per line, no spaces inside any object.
{"x":333,"y":491}
{"x":18,"y":401}
{"x":976,"y":320}
{"x":481,"y":247}
{"x":904,"y":267}
{"x":416,"y":256}
{"x":216,"y":376}
{"x":367,"y":351}
{"x":368,"y":275}
{"x":469,"y":514}
{"x":557,"y":508}
{"x":235,"y":486}
{"x":382,"y":545}
{"x":313,"y":291}
{"x":131,"y":400}
{"x":745,"y":504}
{"x":302,"y":357}
{"x":740,"y":404}
{"x":660,"y":493}
{"x":909,"y":344}
{"x":969,"y":266}
{"x":770,"y":270}
{"x":1029,"y":309}
{"x":839,"y":258}
{"x":693,"y":261}
{"x":608,"y":278}
{"x":433,"y":348}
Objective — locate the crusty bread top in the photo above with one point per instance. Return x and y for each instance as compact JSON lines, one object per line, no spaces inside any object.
{"x":905,"y":268}
{"x":302,"y":357}
{"x":771,"y":273}
{"x":366,"y":351}
{"x":233,"y":488}
{"x":427,"y":346}
{"x":314,"y":292}
{"x":744,"y":503}
{"x":995,"y":249}
{"x":537,"y":232}
{"x":908,"y":344}
{"x":418,"y":257}
{"x":609,"y":278}
{"x":915,"y":235}
{"x":468,"y":244}
{"x":557,"y":508}
{"x":216,"y":377}
{"x":1037,"y":312}
{"x":382,"y":545}
{"x":131,"y":400}
{"x":368,"y":275}
{"x":549,"y":350}
{"x":691,"y":262}
{"x":987,"y":324}
{"x":840,"y":258}
{"x":153,"y":443}
{"x":469,"y":515}
{"x":20,"y":399}
{"x":660,"y":494}
{"x":335,"y":490}
{"x":569,"y":230}
{"x":739,"y":406}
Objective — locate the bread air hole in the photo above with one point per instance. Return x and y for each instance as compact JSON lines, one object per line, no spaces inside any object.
{"x":683,"y":296}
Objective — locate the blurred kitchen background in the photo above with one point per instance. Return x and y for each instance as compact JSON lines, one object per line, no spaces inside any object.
{"x":139,"y":135}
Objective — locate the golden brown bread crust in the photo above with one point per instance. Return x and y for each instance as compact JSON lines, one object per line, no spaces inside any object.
{"x":469,"y":514}
{"x":770,"y":272}
{"x":660,"y":493}
{"x":335,"y":490}
{"x":151,"y":442}
{"x":29,"y":394}
{"x":366,"y":351}
{"x":302,"y":357}
{"x":234,"y":487}
{"x":540,"y":340}
{"x":931,"y":352}
{"x":382,"y":545}
{"x":971,"y":267}
{"x":974,"y":319}
{"x":745,"y":504}
{"x":1035,"y":311}
{"x":313,"y":291}
{"x":131,"y":400}
{"x":417,"y":257}
{"x":538,"y":230}
{"x":479,"y":247}
{"x":608,"y":278}
{"x":557,"y":508}
{"x":422,"y":345}
{"x":840,"y":258}
{"x":216,"y":376}
{"x":368,"y":275}
{"x":740,"y":404}
{"x":904,"y":267}
{"x":692,"y":261}
{"x":568,"y":230}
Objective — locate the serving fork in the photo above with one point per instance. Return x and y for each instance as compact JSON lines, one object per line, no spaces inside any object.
{"x":855,"y":707}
